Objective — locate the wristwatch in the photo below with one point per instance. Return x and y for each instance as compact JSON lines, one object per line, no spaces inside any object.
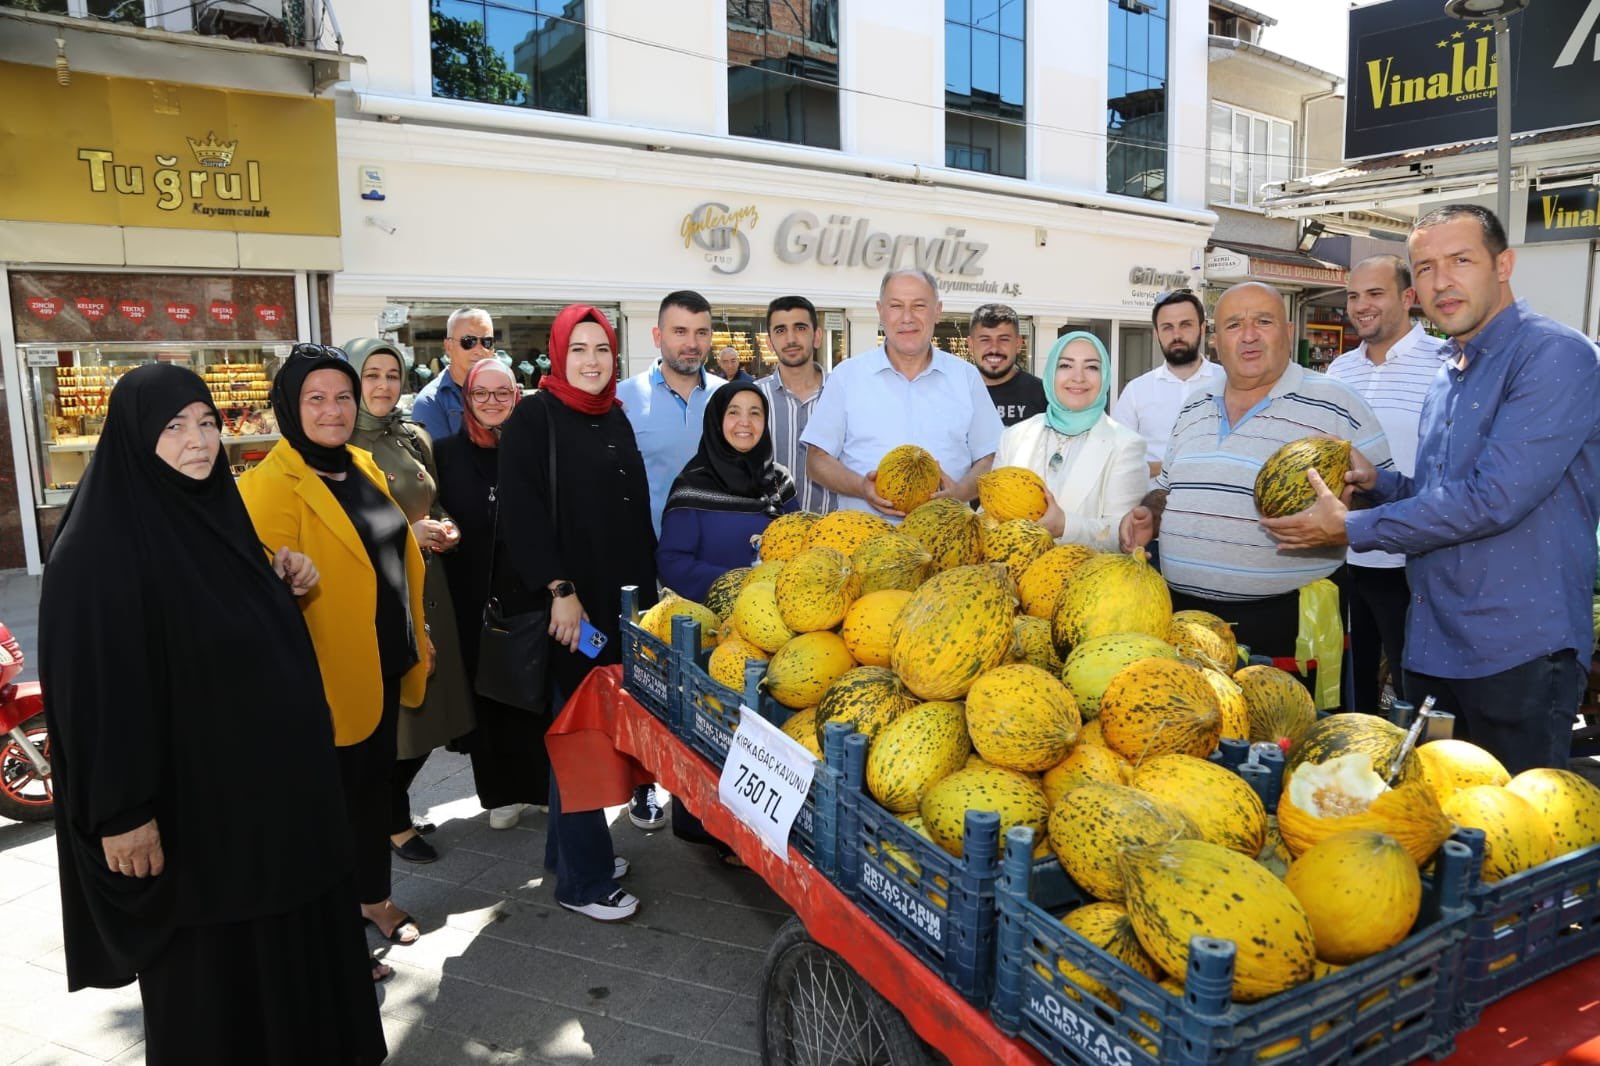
{"x":563,"y":588}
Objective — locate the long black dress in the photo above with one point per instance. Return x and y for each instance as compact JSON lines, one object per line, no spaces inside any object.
{"x":509,"y":761}
{"x":182,"y":683}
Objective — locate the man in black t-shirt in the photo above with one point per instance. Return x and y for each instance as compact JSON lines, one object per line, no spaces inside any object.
{"x":996,"y":346}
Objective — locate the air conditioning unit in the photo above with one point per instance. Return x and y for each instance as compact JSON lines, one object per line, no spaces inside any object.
{"x":242,"y":20}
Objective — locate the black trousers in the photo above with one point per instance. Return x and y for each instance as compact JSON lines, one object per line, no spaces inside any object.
{"x":1522,"y":716}
{"x":364,"y":771}
{"x":405,"y":771}
{"x":1377,"y":597}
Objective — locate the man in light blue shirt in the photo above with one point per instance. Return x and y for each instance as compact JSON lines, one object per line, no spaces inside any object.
{"x":1496,"y":523}
{"x":469,"y":336}
{"x":905,"y":392}
{"x":667,"y":403}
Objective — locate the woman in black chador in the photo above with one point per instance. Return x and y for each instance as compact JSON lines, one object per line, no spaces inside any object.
{"x":199,"y":820}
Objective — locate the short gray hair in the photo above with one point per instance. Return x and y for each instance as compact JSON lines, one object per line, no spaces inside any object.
{"x":927,"y":279}
{"x":465,"y":312}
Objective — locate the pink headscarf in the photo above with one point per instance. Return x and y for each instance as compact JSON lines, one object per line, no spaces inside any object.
{"x":482,"y":374}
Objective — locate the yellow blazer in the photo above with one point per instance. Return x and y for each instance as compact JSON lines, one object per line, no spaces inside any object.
{"x":291,"y":506}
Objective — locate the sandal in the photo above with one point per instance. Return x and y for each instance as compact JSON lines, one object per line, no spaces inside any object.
{"x":404,"y":930}
{"x":381,"y":971}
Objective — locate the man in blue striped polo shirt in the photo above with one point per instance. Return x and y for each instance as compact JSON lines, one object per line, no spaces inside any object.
{"x":1213,"y":551}
{"x":1391,"y":369}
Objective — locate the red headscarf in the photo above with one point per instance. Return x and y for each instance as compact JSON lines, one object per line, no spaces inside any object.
{"x":480,"y":434}
{"x":556,"y":382}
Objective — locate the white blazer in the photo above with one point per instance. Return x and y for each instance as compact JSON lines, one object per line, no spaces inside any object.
{"x":1104,"y":481}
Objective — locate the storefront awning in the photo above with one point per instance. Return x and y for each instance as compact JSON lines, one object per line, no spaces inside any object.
{"x":1237,"y":261}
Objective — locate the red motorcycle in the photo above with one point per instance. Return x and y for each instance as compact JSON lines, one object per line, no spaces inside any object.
{"x":26,"y":792}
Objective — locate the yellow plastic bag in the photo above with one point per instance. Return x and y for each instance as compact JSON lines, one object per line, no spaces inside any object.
{"x":1321,"y":640}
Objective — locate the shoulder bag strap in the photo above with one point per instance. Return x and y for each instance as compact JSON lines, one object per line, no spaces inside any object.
{"x":494,"y":544}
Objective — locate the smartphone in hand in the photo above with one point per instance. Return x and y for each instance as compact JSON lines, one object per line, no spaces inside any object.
{"x":590,"y":639}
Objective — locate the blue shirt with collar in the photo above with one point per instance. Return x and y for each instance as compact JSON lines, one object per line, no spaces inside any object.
{"x":869,"y":407}
{"x":1498,"y":520}
{"x":438,"y":406}
{"x":666,"y":426}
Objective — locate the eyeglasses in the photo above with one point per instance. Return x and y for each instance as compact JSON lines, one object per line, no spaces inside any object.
{"x":1167,"y":296}
{"x":469,"y":342}
{"x":497,"y":395}
{"x":307,"y":350}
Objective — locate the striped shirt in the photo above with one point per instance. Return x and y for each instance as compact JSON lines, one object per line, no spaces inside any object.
{"x":1394,"y":389}
{"x":787,"y":415}
{"x":1212,"y":543}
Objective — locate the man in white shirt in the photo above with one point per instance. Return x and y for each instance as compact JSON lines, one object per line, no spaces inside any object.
{"x":905,"y":392}
{"x":1392,"y":370}
{"x":1149,"y":405}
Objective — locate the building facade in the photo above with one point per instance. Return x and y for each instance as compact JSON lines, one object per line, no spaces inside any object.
{"x":620,"y":149}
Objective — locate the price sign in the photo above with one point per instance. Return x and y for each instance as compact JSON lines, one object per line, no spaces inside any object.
{"x":765,"y":780}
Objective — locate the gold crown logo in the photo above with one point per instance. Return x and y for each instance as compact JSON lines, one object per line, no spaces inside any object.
{"x":212,"y":152}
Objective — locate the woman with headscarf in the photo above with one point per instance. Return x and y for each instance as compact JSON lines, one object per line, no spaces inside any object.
{"x":510,"y":767}
{"x":1093,"y":468}
{"x":404,"y":452}
{"x":572,"y":545}
{"x":171,"y":650}
{"x":725,"y":496}
{"x":316,"y":494}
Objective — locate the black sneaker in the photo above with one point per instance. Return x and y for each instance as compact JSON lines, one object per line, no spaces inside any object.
{"x":644,"y":811}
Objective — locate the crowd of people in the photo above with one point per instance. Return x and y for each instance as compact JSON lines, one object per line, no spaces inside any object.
{"x":334,"y":598}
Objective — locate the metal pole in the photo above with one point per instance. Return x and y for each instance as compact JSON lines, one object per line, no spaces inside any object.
{"x":1502,"y":98}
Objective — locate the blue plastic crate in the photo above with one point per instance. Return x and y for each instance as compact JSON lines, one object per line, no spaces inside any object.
{"x":1528,"y":926}
{"x":647,"y":664}
{"x":1394,"y":1007}
{"x":708,"y":714}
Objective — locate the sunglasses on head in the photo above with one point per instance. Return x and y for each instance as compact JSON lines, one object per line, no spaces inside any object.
{"x":307,"y":350}
{"x":1167,"y":296}
{"x":469,"y":342}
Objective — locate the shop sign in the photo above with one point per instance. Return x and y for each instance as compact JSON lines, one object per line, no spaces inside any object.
{"x":1298,"y":272}
{"x":127,"y":152}
{"x":1223,"y":264}
{"x":1145,"y":283}
{"x":72,"y":307}
{"x":1563,"y":215}
{"x":722,"y":234}
{"x":1419,"y":78}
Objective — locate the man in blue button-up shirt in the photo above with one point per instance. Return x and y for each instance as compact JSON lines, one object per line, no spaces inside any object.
{"x":1498,"y":521}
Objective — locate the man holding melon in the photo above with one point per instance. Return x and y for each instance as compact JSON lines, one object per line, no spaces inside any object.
{"x":1497,"y":524}
{"x":1214,"y":553}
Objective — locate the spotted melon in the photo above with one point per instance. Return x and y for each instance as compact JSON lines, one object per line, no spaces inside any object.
{"x":845,"y":531}
{"x":724,"y":591}
{"x":907,"y":477}
{"x":1281,"y":485}
{"x":890,"y":561}
{"x":956,"y":626}
{"x":1045,"y":577}
{"x":1017,"y":543}
{"x":868,"y":628}
{"x":1021,"y":717}
{"x":949,"y":530}
{"x":1343,"y":793}
{"x":1569,"y":803}
{"x":1516,"y":836}
{"x":1112,"y":594}
{"x":1222,"y":807}
{"x":1090,"y":666}
{"x":1157,"y":706}
{"x":1361,"y":892}
{"x":1016,"y":798}
{"x":1450,"y":765}
{"x":786,"y":536}
{"x":868,"y":697}
{"x":803,"y":669}
{"x":916,"y":751}
{"x":1031,"y":643}
{"x":1281,"y":709}
{"x":1090,"y":827}
{"x":1009,"y":492}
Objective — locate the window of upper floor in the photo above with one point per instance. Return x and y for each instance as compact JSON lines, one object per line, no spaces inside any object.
{"x":1246,"y":150}
{"x":525,"y":53}
{"x":1136,"y":99}
{"x":783,"y":71}
{"x":985,"y":86}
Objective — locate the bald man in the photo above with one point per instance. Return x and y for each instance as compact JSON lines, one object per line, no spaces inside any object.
{"x":1213,"y":551}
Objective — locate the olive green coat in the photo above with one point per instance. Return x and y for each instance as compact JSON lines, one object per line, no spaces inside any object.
{"x":404,"y":453}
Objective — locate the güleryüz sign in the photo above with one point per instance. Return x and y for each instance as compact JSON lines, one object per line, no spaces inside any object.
{"x":1418,"y":78}
{"x":723,"y":233}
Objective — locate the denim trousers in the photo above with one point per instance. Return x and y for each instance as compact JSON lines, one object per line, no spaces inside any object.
{"x":577,"y":845}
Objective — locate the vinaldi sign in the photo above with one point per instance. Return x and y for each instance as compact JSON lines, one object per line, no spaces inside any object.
{"x":1418,"y":78}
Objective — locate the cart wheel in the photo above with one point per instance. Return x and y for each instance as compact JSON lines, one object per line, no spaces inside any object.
{"x":813,"y":1010}
{"x":24,"y":795}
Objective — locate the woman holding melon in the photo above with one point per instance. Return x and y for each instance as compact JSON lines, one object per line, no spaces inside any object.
{"x":1093,"y":468}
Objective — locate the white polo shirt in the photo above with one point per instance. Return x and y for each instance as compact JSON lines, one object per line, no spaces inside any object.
{"x":1394,"y":389}
{"x":869,"y":407}
{"x":1150,"y":404}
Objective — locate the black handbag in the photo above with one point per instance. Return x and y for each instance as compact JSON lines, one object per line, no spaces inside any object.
{"x":514,"y":649}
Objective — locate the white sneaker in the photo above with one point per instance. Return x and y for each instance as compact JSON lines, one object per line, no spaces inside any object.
{"x":620,"y":867}
{"x":613,"y":908}
{"x":506,"y":817}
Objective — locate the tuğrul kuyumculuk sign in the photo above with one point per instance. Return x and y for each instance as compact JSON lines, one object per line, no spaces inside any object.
{"x":1419,"y":78}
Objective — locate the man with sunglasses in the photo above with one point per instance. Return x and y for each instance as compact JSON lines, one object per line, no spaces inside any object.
{"x":468,"y":337}
{"x":1149,"y":405}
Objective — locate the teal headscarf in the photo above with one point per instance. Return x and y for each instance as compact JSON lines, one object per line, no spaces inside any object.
{"x":1062,"y":418}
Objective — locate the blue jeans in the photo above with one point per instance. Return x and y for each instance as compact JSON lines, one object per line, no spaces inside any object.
{"x":577,"y":846}
{"x":1522,"y":716}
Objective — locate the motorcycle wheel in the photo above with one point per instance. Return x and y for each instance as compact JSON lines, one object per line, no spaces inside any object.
{"x":24,"y":795}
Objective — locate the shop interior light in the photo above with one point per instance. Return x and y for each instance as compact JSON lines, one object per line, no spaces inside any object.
{"x":1483,"y":9}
